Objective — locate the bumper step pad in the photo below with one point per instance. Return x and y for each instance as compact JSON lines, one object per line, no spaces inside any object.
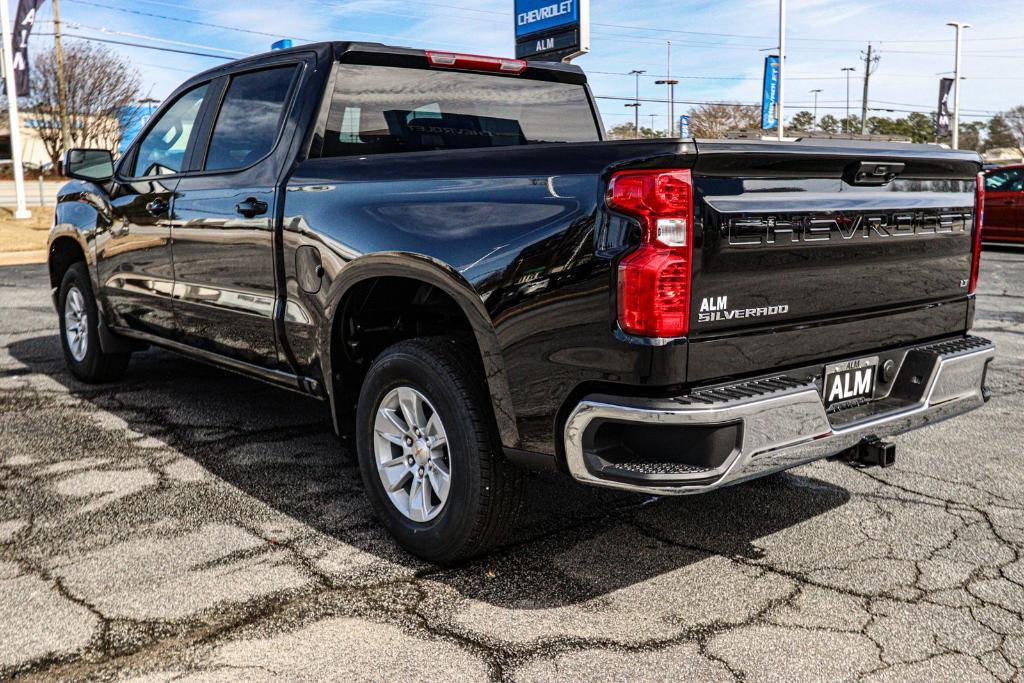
{"x":782,"y":421}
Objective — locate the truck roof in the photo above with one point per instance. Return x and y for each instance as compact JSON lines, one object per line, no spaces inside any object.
{"x":389,"y":55}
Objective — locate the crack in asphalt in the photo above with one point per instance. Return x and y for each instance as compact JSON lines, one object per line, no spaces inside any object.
{"x":265,"y":518}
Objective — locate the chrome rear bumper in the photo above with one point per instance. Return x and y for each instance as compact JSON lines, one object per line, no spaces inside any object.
{"x":782,"y":421}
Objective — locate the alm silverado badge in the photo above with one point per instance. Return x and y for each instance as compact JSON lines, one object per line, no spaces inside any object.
{"x":716,"y":308}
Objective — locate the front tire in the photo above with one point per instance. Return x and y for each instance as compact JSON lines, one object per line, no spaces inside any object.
{"x":429,"y":453}
{"x":79,"y":331}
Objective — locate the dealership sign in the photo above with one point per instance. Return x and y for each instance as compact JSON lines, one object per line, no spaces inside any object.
{"x":552,"y":30}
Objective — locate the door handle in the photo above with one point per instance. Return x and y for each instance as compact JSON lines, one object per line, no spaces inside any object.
{"x":157,"y":207}
{"x":1008,"y":202}
{"x":251,"y":207}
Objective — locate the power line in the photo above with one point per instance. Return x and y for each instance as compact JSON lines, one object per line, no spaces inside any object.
{"x":153,"y":15}
{"x":102,"y":29}
{"x":507,"y":15}
{"x":618,"y":37}
{"x":140,"y":45}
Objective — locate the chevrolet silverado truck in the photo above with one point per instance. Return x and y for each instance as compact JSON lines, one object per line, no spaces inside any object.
{"x":445,"y":250}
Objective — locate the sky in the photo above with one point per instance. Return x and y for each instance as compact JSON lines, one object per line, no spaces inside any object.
{"x":718,"y":46}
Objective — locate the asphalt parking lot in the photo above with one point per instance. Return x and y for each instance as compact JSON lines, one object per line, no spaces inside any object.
{"x":188,"y":523}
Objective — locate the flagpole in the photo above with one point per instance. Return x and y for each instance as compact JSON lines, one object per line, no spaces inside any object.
{"x":14,"y":123}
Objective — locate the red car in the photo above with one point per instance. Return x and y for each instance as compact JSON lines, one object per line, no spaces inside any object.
{"x":1004,"y":205}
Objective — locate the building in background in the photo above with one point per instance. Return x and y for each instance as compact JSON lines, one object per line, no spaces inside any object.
{"x":133,"y":118}
{"x":34,"y":155}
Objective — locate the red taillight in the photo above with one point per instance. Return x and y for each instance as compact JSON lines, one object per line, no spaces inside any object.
{"x":979,"y":221}
{"x":654,"y":280}
{"x":454,"y":60}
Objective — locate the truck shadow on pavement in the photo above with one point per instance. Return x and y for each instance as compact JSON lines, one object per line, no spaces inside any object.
{"x":264,"y":445}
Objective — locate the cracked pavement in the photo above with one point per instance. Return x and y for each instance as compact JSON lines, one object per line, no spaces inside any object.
{"x":188,"y":523}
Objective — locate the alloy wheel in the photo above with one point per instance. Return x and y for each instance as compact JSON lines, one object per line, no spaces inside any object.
{"x":411,"y":453}
{"x":76,"y":324}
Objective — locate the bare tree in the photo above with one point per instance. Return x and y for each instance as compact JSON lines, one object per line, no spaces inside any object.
{"x":715,"y":120}
{"x":102,"y":89}
{"x":1015,"y":117}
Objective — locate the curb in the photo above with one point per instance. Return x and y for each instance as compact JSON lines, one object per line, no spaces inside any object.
{"x":22,"y":258}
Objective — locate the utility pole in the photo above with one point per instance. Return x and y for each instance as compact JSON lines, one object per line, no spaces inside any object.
{"x":870,"y":65}
{"x":636,"y":104}
{"x":815,"y":92}
{"x":62,"y":103}
{"x":782,"y":63}
{"x":959,"y":26}
{"x":21,"y":212}
{"x":846,"y":121}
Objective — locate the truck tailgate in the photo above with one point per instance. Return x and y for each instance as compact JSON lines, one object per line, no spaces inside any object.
{"x":785,"y":242}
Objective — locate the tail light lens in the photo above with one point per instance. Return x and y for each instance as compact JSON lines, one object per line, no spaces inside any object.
{"x":654,"y":280}
{"x":979,"y":221}
{"x":454,"y":60}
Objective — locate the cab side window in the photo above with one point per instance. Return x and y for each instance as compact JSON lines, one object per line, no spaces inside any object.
{"x":162,"y":151}
{"x":249,"y":119}
{"x":1010,"y":180}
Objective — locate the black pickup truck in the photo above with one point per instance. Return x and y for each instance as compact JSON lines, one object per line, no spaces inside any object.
{"x":445,"y":250}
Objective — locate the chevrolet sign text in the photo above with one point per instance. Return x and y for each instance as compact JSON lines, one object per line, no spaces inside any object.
{"x":552,"y":11}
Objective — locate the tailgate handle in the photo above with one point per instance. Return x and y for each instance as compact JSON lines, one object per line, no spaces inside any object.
{"x":872,"y":172}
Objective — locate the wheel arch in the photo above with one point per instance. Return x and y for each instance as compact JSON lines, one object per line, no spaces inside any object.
{"x":77,"y":215}
{"x":66,"y":248}
{"x":449,"y":282}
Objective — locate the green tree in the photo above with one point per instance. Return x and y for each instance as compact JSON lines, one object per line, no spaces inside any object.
{"x":922,"y":126}
{"x":999,"y":134}
{"x":829,"y":124}
{"x":802,"y":121}
{"x":916,"y":127}
{"x":627,"y":131}
{"x":972,"y":135}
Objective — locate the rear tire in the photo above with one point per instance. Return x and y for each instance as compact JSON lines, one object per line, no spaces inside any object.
{"x":79,"y":331}
{"x":474,"y":499}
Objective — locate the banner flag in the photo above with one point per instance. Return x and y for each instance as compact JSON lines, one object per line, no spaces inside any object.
{"x":770,"y":96}
{"x":944,"y":127}
{"x":23,"y":21}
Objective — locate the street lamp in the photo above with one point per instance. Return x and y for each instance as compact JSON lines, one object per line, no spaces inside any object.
{"x":846,"y":121}
{"x":671,"y":83}
{"x":636,"y":105}
{"x":959,"y":26}
{"x":814,"y":126}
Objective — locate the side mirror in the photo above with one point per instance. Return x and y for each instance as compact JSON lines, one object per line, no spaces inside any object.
{"x":96,"y":165}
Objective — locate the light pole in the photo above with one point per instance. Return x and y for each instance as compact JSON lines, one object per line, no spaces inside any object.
{"x":671,"y":83}
{"x":814,"y":126}
{"x":959,"y":26}
{"x":846,"y":121}
{"x":636,"y":104}
{"x":782,"y":62}
{"x":668,"y":75}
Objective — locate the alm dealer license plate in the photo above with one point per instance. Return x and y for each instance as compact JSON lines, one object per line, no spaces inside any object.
{"x":850,"y":380}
